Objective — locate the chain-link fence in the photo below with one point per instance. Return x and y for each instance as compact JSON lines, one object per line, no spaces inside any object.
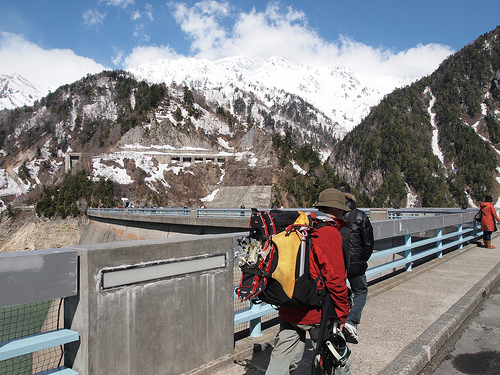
{"x":30,"y":319}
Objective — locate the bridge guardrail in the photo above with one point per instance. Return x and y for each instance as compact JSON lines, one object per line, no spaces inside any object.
{"x":33,"y":285}
{"x":400,"y":243}
{"x":460,"y":230}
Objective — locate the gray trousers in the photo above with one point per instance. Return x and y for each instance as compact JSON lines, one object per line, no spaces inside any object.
{"x":289,"y":348}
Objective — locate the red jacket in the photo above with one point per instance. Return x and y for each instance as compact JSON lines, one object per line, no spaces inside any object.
{"x":326,"y":257}
{"x":487,"y":222}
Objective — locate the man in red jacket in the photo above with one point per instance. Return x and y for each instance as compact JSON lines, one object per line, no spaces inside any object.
{"x":327,"y":258}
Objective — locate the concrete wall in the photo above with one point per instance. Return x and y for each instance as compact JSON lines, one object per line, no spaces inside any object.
{"x":249,"y":196}
{"x":39,"y":275}
{"x":135,"y":315}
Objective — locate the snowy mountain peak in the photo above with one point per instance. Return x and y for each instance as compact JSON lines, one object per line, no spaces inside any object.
{"x":17,"y":91}
{"x":342,"y":95}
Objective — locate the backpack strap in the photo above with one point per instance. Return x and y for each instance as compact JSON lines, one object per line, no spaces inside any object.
{"x":327,"y":313}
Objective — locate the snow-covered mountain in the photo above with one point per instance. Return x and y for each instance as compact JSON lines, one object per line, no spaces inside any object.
{"x":17,"y":91}
{"x":342,"y":95}
{"x":235,"y":109}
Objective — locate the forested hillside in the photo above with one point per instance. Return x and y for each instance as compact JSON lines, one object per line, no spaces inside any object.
{"x":391,"y":157}
{"x":432,"y":144}
{"x":136,"y":136}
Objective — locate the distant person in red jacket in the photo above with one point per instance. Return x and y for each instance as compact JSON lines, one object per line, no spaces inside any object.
{"x":327,"y":258}
{"x":488,"y":218}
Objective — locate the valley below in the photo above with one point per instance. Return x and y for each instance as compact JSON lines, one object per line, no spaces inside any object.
{"x":25,"y":231}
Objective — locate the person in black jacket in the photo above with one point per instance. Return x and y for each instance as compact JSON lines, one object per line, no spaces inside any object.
{"x":361,"y":248}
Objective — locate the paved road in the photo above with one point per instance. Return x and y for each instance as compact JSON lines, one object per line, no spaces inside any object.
{"x":475,"y":347}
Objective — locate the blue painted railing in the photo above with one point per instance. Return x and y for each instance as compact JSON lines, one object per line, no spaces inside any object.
{"x":28,"y":288}
{"x":412,"y":249}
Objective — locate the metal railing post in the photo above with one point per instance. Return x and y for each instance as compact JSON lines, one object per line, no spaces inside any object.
{"x":408,"y":265}
{"x":439,"y":242}
{"x":255,"y":324}
{"x":475,"y":227}
{"x":461,"y":236}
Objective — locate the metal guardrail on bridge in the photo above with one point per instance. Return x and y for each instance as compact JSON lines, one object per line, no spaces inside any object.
{"x":244,"y":213}
{"x":31,"y":282}
{"x":422,"y":235}
{"x":399,"y":245}
{"x":176,"y":212}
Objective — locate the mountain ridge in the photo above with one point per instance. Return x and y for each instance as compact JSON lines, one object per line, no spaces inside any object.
{"x":430,"y":143}
{"x":342,"y":95}
{"x":17,"y":91}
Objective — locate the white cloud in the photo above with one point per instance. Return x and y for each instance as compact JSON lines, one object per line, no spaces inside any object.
{"x":149,"y":12}
{"x":285,"y":32}
{"x":51,"y":68}
{"x":118,"y":3}
{"x":93,"y":17}
{"x":202,"y":24}
{"x":140,"y":33}
{"x":141,"y":18}
{"x":263,"y":34}
{"x":216,"y":31}
{"x":136,"y":15}
{"x":117,"y":59}
{"x":148,"y":54}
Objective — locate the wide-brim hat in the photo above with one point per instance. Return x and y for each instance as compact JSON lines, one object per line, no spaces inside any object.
{"x":332,"y":198}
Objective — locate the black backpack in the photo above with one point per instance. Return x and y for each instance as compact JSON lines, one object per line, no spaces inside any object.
{"x":275,"y":259}
{"x":479,"y":216}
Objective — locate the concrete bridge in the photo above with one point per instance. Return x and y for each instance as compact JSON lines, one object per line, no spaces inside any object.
{"x":166,"y":305}
{"x":124,"y":224}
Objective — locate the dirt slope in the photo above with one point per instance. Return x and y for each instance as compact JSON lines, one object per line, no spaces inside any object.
{"x":25,"y":231}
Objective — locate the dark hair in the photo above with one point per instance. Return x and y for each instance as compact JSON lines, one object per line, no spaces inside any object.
{"x":488,"y":198}
{"x":343,"y":187}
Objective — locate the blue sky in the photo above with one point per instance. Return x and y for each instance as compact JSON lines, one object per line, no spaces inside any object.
{"x":52,"y":42}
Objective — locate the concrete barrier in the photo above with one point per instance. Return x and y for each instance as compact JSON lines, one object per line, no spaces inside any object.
{"x":160,"y":306}
{"x":112,"y":228}
{"x":377,"y":214}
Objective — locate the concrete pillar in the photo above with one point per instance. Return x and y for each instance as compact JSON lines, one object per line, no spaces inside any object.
{"x":146,"y":307}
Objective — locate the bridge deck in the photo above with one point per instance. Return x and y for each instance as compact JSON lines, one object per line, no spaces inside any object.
{"x":405,"y":317}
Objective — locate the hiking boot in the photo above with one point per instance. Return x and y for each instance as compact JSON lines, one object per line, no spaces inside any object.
{"x":350,"y":333}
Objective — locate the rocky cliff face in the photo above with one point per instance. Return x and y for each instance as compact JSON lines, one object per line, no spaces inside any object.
{"x":25,"y":231}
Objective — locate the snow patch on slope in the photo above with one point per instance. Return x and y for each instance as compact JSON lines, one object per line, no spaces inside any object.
{"x":17,"y":91}
{"x":435,"y":131}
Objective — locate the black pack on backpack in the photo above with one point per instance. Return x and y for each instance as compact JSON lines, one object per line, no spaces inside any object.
{"x":479,"y":216}
{"x":275,"y":259}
